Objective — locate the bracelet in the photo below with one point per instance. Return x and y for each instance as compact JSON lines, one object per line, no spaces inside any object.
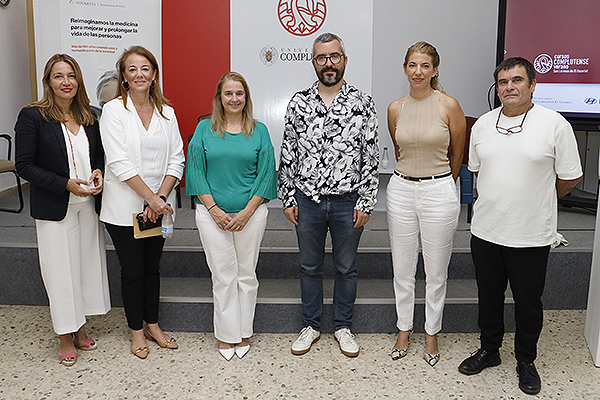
{"x":211,"y":207}
{"x":163,"y":197}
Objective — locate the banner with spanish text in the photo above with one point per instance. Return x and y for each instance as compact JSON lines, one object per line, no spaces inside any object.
{"x":95,"y":33}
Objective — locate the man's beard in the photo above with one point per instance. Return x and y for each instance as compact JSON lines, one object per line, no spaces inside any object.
{"x":339,"y":74}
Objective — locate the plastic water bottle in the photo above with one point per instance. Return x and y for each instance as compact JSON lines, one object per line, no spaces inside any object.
{"x":385,"y":159}
{"x":167,"y":225}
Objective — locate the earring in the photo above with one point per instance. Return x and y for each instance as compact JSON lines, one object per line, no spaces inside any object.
{"x":125,"y":85}
{"x":153,"y":84}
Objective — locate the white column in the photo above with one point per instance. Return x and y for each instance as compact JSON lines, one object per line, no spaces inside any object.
{"x":592,"y":321}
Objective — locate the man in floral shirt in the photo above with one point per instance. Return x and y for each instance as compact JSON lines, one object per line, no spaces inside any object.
{"x":328,"y":178}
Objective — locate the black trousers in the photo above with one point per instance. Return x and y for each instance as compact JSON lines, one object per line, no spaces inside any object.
{"x":525,"y":269}
{"x":140,"y":278}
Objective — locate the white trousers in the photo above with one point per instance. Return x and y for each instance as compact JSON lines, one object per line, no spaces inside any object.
{"x":430,"y":208}
{"x":73,"y":265}
{"x":232,"y":258}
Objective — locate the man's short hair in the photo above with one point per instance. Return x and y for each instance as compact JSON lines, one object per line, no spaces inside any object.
{"x":513,"y":62}
{"x":329,"y":37}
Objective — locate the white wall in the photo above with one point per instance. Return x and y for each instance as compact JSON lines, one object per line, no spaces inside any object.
{"x":464,"y":33}
{"x":15,"y":86}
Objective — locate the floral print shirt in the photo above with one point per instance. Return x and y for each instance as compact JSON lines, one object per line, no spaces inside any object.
{"x":330,"y":151}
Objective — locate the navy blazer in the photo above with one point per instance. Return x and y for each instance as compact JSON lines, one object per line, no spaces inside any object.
{"x":41,"y":158}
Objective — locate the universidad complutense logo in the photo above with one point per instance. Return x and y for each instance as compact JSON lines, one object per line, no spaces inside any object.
{"x":268,"y":55}
{"x":301,"y":17}
{"x":542,"y":63}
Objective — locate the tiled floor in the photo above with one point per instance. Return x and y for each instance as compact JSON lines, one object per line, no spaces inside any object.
{"x":29,"y":366}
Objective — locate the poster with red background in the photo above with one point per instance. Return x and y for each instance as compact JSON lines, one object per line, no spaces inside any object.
{"x":560,"y":37}
{"x":196,"y":52}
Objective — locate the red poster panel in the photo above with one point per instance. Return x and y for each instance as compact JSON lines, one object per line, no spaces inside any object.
{"x":195,"y":46}
{"x":560,"y":37}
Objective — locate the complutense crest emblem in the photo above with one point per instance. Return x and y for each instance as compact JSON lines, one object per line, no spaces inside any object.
{"x":268,"y":55}
{"x":301,"y":17}
{"x":542,"y":63}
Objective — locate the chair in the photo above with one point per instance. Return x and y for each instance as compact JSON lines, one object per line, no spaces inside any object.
{"x":466,"y":176}
{"x":6,"y":165}
{"x":192,"y":202}
{"x":203,"y":116}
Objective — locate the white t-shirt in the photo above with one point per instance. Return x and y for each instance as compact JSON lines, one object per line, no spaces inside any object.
{"x":516,"y":185}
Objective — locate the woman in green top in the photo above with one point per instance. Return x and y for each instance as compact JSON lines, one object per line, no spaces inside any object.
{"x":231,"y":173}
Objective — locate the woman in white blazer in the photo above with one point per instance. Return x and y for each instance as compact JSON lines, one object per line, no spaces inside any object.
{"x":144,"y":161}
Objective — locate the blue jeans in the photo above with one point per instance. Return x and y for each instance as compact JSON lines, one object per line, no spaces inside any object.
{"x":314,"y":219}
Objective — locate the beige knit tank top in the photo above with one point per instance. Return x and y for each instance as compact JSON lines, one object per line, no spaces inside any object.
{"x":422,"y":137}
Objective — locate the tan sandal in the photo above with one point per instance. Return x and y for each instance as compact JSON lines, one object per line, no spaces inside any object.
{"x":141,"y":352}
{"x":169,"y":343}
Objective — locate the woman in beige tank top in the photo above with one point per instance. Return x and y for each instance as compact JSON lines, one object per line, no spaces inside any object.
{"x":421,"y":197}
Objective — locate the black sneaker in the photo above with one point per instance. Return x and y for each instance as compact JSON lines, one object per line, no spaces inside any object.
{"x":478,"y":361}
{"x":529,"y":379}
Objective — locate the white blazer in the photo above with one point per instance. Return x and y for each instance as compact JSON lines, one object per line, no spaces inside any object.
{"x":121,"y":140}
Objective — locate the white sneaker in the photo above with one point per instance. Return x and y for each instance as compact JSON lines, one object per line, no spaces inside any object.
{"x":347,"y":343}
{"x":305,"y":340}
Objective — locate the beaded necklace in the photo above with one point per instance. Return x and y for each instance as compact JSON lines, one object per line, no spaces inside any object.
{"x":71,"y":146}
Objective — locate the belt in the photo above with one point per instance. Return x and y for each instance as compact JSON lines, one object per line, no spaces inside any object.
{"x":421,"y":178}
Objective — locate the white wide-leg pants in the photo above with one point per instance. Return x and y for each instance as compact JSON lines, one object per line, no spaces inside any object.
{"x":73,"y":265}
{"x":232,"y":258}
{"x":430,"y":208}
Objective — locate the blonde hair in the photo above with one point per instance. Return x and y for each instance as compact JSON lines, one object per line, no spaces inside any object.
{"x":157,"y":98}
{"x":218,"y":123}
{"x":80,"y":105}
{"x":426,"y":48}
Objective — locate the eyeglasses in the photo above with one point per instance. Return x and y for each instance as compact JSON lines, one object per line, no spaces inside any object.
{"x":512,"y":129}
{"x":335,"y":58}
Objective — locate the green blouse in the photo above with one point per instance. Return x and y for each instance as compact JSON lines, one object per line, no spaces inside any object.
{"x":233,"y":168}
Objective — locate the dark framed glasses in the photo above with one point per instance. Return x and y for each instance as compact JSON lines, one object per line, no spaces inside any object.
{"x":512,"y":129}
{"x":335,"y":58}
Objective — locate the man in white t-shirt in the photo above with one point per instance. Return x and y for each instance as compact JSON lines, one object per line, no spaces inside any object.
{"x":525,"y":157}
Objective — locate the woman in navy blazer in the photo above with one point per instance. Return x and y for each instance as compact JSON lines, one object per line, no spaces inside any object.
{"x":59,"y":151}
